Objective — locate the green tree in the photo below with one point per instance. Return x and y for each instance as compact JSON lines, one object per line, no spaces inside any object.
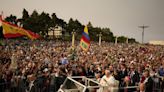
{"x":40,"y":23}
{"x":32,"y":23}
{"x":44,"y":23}
{"x":53,"y":20}
{"x":24,"y":19}
{"x":132,"y":40}
{"x":107,"y":35}
{"x":89,"y":24}
{"x":61,"y":22}
{"x":74,"y":25}
{"x":25,"y":14}
{"x":12,"y":19}
{"x":94,"y":32}
{"x":122,"y":39}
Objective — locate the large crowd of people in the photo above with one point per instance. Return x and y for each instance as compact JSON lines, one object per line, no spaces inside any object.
{"x":42,"y":66}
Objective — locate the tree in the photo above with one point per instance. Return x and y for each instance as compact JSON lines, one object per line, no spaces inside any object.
{"x":25,"y":14}
{"x":44,"y":23}
{"x":61,"y":22}
{"x":23,"y":20}
{"x":74,"y":25}
{"x":122,"y":39}
{"x":107,"y":35}
{"x":93,"y":33}
{"x":70,"y":25}
{"x":32,"y":23}
{"x":132,"y":40}
{"x":53,"y":20}
{"x":34,"y":14}
{"x":89,"y":24}
{"x":40,"y":23}
{"x":12,"y":19}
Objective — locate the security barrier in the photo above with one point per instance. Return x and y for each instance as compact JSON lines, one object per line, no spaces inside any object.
{"x":75,"y":84}
{"x":83,"y":84}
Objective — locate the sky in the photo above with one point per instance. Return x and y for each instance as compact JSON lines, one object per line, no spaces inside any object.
{"x":122,"y":16}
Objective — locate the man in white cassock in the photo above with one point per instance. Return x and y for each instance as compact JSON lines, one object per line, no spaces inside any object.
{"x":109,"y":82}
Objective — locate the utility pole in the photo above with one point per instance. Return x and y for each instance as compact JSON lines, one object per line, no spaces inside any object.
{"x":143,"y":27}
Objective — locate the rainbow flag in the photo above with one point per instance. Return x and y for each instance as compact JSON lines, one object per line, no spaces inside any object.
{"x":13,"y":31}
{"x":85,"y":40}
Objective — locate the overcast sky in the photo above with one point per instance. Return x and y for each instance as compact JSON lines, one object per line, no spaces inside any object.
{"x":122,"y":16}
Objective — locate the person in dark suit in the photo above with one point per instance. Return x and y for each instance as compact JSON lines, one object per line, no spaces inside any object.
{"x":126,"y":83}
{"x":147,"y":84}
{"x":123,"y":72}
{"x":134,"y":75}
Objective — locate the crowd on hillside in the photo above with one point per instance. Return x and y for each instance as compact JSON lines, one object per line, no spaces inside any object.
{"x":42,"y":66}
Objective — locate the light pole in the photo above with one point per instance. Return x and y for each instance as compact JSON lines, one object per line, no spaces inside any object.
{"x":127,"y":39}
{"x":143,"y":27}
{"x":116,"y":40}
{"x":73,"y":38}
{"x":100,"y":35}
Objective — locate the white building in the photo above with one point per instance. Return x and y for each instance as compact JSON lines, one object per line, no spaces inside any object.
{"x":55,"y":32}
{"x":156,"y":42}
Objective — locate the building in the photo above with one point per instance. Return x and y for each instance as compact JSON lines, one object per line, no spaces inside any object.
{"x":55,"y":32}
{"x":156,"y":42}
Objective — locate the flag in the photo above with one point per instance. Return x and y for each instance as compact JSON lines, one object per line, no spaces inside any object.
{"x":12,"y":31}
{"x":85,"y":40}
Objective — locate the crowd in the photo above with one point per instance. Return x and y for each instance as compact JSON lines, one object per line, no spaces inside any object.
{"x":42,"y":66}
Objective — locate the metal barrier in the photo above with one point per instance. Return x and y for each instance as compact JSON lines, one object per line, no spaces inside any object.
{"x":74,"y":84}
{"x":157,"y":85}
{"x":89,"y":85}
{"x":84,"y":84}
